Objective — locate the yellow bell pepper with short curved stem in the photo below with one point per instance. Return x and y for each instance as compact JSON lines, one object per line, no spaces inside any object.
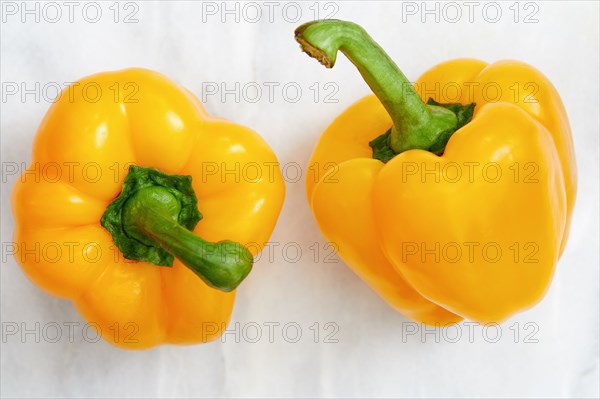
{"x":458,"y":207}
{"x":131,"y":161}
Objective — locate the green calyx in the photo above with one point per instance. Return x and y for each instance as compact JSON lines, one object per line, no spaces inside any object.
{"x":152,"y":221}
{"x":383,"y":151}
{"x":416,"y":125}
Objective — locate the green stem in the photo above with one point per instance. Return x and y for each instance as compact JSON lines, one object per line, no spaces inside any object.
{"x":415,"y":124}
{"x":152,"y":221}
{"x":150,"y":215}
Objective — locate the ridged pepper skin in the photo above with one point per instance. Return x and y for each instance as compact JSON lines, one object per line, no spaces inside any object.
{"x":424,"y":239}
{"x":80,"y":158}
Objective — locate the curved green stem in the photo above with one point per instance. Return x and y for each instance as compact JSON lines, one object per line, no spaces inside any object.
{"x":151,"y":220}
{"x":415,"y":124}
{"x":150,"y":215}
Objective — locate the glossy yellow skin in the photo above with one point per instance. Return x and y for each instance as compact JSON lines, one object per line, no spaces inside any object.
{"x":376,"y":214}
{"x":137,"y":305}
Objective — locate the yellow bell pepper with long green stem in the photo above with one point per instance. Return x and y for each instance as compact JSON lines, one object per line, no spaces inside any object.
{"x":455,"y":207}
{"x":117,"y":227}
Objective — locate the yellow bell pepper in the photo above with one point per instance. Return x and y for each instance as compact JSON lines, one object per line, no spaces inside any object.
{"x":458,"y":207}
{"x":127,"y":152}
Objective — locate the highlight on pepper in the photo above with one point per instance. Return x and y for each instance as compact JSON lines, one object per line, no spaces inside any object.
{"x":158,"y":244}
{"x":448,"y":206}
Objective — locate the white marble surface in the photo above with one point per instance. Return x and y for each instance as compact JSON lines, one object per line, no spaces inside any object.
{"x":372,"y":358}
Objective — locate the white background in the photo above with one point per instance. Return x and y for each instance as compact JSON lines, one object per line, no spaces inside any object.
{"x":371,"y":356}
